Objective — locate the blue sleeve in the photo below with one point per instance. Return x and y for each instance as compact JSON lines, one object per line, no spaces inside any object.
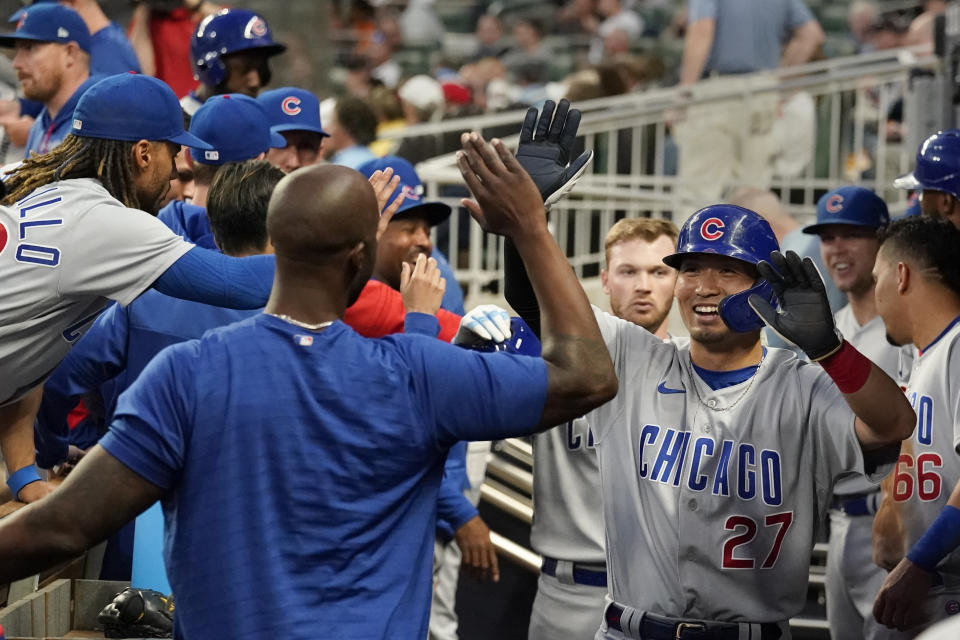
{"x":453,"y":508}
{"x":30,"y":108}
{"x":453,"y":294}
{"x":476,"y":396}
{"x":210,"y":277}
{"x":799,"y":14}
{"x":99,"y":356}
{"x":150,"y":429}
{"x":422,"y":324}
{"x":700,"y":9}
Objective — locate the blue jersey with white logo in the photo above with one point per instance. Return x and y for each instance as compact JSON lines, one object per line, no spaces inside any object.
{"x":262,"y":435}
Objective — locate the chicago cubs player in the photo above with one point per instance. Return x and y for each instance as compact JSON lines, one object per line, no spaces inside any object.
{"x":73,"y":234}
{"x":936,"y":175}
{"x":847,"y":223}
{"x":294,"y":114}
{"x":918,"y":295}
{"x":713,"y":453}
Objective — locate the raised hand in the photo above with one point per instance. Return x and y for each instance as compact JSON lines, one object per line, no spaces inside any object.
{"x":545,"y":147}
{"x":507,"y":200}
{"x":385,"y":183}
{"x":804,"y":317}
{"x":422,"y":286}
{"x":486,"y":323}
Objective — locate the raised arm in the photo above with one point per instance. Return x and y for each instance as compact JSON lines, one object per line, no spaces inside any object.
{"x":803,"y":45}
{"x":580,"y":375}
{"x":696,"y":49}
{"x":884,"y":416}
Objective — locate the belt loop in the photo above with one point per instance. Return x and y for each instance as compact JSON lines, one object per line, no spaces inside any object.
{"x":565,"y":572}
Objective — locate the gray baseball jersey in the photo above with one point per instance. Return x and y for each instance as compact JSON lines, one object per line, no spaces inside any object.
{"x":925,"y":477}
{"x":712,"y":499}
{"x":871,"y":340}
{"x":65,"y":250}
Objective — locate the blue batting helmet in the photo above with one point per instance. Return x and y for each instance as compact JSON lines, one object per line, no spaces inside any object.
{"x":225,"y":32}
{"x":735,"y":232}
{"x":938,"y":165}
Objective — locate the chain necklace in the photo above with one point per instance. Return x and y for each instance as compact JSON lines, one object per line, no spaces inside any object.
{"x":311,"y":327}
{"x":696,"y":388}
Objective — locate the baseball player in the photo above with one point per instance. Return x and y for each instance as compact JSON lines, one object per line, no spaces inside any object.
{"x":847,"y":222}
{"x":230,"y":53}
{"x":294,"y":114}
{"x":713,"y":453}
{"x":73,"y":234}
{"x":321,"y":404}
{"x":937,"y":176}
{"x":918,"y":296}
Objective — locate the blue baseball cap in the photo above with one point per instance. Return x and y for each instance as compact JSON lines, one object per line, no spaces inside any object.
{"x":236,"y":128}
{"x":413,"y":204}
{"x":292,"y":109}
{"x":48,"y":23}
{"x":850,"y":205}
{"x":132,"y":107}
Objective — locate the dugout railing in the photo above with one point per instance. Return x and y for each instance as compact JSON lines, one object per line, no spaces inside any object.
{"x":854,"y":137}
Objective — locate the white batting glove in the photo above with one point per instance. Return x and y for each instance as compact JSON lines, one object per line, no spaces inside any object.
{"x":486,"y":322}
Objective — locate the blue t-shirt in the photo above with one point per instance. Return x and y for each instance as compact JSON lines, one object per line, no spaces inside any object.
{"x":111,"y":52}
{"x":46,"y":132}
{"x":301,"y":471}
{"x":750,"y":34}
{"x":188,"y":221}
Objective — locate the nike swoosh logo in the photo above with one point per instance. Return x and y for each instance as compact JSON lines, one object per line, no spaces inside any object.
{"x":663,"y":388}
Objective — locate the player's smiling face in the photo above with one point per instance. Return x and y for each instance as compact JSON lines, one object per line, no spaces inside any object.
{"x":639,"y":284}
{"x":849,"y":252}
{"x":405,"y":239}
{"x":703,"y":281}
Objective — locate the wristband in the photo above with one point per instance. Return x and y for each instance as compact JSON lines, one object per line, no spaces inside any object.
{"x":22,"y":478}
{"x":941,"y":538}
{"x":848,"y":367}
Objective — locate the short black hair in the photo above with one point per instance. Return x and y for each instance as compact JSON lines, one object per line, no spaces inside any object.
{"x":357,"y":118}
{"x":932,"y":246}
{"x":237,"y":205}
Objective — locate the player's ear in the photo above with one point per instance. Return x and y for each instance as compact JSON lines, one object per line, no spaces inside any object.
{"x":903,"y":277}
{"x":142,"y":154}
{"x":603,"y":280}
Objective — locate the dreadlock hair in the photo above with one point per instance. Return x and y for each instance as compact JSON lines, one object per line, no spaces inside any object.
{"x":109,"y":161}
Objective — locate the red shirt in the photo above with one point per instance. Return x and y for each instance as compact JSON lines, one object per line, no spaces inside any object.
{"x":379,"y":311}
{"x":170,"y":34}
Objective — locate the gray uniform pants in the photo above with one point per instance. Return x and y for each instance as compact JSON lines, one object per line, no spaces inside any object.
{"x":563,"y":611}
{"x":853,"y":580}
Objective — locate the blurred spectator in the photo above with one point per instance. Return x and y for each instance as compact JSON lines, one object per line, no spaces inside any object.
{"x":638,"y":71}
{"x":862,"y":15}
{"x":616,"y":43}
{"x":576,"y":17}
{"x":160,"y":32}
{"x":889,"y":31}
{"x":361,"y":24}
{"x":352,"y":128}
{"x":422,"y":100}
{"x":420,"y":25}
{"x":383,"y":67}
{"x":921,"y":29}
{"x":386,"y":106}
{"x":489,"y":34}
{"x":110,"y":51}
{"x":794,"y":135}
{"x":529,"y":59}
{"x":726,"y":39}
{"x":616,"y":17}
{"x":478,"y":78}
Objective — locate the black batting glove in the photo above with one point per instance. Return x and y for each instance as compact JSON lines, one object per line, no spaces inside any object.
{"x":545,"y":146}
{"x":804,"y":317}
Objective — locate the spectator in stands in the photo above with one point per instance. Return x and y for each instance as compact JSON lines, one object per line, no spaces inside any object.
{"x":53,"y":64}
{"x":616,"y":43}
{"x":576,"y":17}
{"x":352,"y":128}
{"x":294,"y":114}
{"x":489,"y":34}
{"x":724,"y":41}
{"x":160,"y":33}
{"x":528,"y":60}
{"x":422,"y":100}
{"x":889,"y":31}
{"x":420,"y":25}
{"x":110,"y":50}
{"x":921,"y":29}
{"x":386,"y":106}
{"x":616,"y":17}
{"x":861,"y":16}
{"x":383,"y":67}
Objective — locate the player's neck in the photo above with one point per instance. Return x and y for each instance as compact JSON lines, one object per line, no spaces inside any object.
{"x":863,"y":305}
{"x":306,"y":293}
{"x":68,"y":87}
{"x":736,"y":352}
